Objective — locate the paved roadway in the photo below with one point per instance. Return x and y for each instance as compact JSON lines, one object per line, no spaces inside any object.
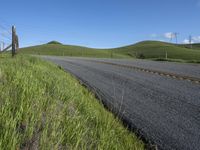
{"x":162,"y":109}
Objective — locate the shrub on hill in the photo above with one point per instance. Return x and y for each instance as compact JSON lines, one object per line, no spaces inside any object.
{"x":54,"y":42}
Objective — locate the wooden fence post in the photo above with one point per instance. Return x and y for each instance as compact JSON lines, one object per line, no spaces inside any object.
{"x":13,"y":41}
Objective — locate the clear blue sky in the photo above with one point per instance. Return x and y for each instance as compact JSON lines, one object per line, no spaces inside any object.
{"x":101,"y":23}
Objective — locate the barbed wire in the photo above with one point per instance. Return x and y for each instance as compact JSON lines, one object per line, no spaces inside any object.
{"x":5,"y":29}
{"x":5,"y":34}
{"x":5,"y":43}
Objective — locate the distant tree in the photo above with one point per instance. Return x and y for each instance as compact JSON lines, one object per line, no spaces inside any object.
{"x":54,"y":42}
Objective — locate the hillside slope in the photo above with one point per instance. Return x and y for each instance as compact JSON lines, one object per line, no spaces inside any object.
{"x":146,"y":49}
{"x":68,"y":50}
{"x":194,"y":46}
{"x":155,"y":49}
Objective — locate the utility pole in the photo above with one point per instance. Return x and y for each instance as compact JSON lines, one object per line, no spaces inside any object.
{"x":3,"y":45}
{"x":190,"y":41}
{"x":176,"y":36}
{"x":172,"y":34}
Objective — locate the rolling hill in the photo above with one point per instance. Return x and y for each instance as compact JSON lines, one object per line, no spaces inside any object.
{"x":194,"y":46}
{"x":156,"y":49}
{"x":144,"y":50}
{"x":58,"y":49}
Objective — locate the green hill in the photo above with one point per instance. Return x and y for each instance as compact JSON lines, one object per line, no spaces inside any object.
{"x":194,"y":46}
{"x":155,"y":49}
{"x":145,"y":50}
{"x":56,"y":49}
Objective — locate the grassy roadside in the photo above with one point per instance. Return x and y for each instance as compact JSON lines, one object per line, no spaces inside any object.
{"x":44,"y":107}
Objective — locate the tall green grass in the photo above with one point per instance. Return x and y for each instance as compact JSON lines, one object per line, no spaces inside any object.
{"x":43,"y":107}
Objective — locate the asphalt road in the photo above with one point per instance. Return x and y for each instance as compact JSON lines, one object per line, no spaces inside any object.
{"x":163,"y":109}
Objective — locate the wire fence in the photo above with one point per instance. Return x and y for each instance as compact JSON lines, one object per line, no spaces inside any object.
{"x":8,"y":39}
